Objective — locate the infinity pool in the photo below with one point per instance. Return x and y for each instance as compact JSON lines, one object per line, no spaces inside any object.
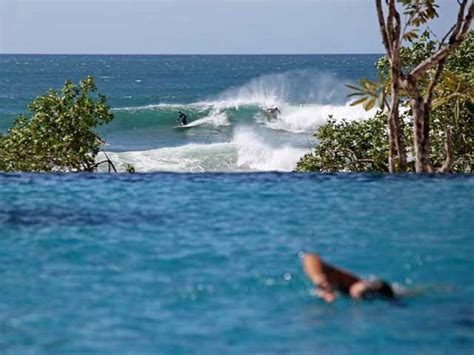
{"x":209,"y":263}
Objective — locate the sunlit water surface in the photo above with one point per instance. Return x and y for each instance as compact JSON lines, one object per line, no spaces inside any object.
{"x":208,"y":263}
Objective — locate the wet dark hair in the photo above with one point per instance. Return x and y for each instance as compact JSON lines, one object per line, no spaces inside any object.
{"x":379,"y":289}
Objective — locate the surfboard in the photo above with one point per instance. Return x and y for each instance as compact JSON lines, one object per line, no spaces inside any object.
{"x":183,"y":127}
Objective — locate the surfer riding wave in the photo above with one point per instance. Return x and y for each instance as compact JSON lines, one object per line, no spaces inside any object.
{"x":182,"y":119}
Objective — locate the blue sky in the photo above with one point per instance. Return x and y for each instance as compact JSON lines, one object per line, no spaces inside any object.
{"x":194,"y":26}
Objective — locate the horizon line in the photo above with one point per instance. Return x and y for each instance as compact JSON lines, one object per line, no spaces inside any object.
{"x":189,"y":54}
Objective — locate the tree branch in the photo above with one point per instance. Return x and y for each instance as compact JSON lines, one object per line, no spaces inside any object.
{"x":408,"y":22}
{"x":448,"y":147}
{"x":390,"y":24}
{"x":110,"y":162}
{"x":396,"y":30}
{"x":383,"y":28}
{"x":459,"y":20}
{"x":458,"y":35}
{"x":441,"y":43}
{"x":433,"y":82}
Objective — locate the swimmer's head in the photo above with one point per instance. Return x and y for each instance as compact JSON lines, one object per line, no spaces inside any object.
{"x":371,"y":289}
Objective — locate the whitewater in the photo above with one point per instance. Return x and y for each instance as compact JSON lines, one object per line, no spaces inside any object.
{"x":233,"y":132}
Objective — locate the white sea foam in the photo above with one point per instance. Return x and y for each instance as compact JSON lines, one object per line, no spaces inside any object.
{"x":154,"y":107}
{"x":247,"y":151}
{"x":254,"y":153}
{"x":187,"y":158}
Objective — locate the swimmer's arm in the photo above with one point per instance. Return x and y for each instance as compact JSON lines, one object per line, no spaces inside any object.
{"x":314,"y":269}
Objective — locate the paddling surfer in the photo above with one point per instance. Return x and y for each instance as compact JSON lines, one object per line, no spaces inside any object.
{"x":329,"y":279}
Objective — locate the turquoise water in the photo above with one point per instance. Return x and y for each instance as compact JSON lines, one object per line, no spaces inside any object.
{"x":223,"y":96}
{"x":208,"y":263}
{"x":169,"y":263}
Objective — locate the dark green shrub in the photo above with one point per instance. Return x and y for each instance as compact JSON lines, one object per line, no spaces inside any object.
{"x":59,"y":135}
{"x":349,"y":146}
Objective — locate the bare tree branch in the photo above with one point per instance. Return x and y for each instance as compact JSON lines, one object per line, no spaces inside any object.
{"x":441,"y":43}
{"x":434,"y":81}
{"x":110,"y":162}
{"x":383,"y":28}
{"x":390,"y":18}
{"x":397,"y":29}
{"x":459,"y":20}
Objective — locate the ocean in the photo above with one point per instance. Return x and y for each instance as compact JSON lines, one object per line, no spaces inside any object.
{"x":200,"y":252}
{"x":224,"y":98}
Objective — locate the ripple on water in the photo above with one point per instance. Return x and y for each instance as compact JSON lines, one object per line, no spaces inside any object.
{"x":114,"y":263}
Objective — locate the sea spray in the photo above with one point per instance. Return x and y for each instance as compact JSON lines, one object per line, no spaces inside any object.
{"x":216,"y":118}
{"x":296,"y":87}
{"x":306,"y":118}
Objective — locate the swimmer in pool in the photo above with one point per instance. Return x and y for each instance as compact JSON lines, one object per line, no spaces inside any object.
{"x":329,"y":279}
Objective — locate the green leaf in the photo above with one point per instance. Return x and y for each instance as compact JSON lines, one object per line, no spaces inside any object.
{"x":359,"y":101}
{"x":369,"y":104}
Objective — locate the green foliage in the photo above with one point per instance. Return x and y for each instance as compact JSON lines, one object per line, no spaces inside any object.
{"x":418,"y":12}
{"x":349,"y":146}
{"x":453,"y":107}
{"x":363,"y":145}
{"x":453,"y":102}
{"x":129,"y":168}
{"x":410,"y":56}
{"x":59,"y":136}
{"x":370,"y":93}
{"x":453,"y":111}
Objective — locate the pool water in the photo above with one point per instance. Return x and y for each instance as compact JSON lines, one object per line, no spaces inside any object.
{"x":210,"y":263}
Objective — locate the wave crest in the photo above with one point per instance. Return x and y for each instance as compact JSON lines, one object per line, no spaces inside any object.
{"x":305,"y":99}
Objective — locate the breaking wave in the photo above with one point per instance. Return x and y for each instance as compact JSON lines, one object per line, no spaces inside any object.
{"x":231,"y":132}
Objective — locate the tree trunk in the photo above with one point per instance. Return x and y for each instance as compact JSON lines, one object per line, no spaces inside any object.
{"x":421,"y":141}
{"x":401,"y":147}
{"x":400,"y":142}
{"x":392,"y":149}
{"x":426,"y":139}
{"x":396,"y":131}
{"x":448,"y":147}
{"x":396,"y":137}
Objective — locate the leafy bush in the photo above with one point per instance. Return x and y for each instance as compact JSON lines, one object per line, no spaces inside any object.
{"x":349,"y":146}
{"x":59,"y":136}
